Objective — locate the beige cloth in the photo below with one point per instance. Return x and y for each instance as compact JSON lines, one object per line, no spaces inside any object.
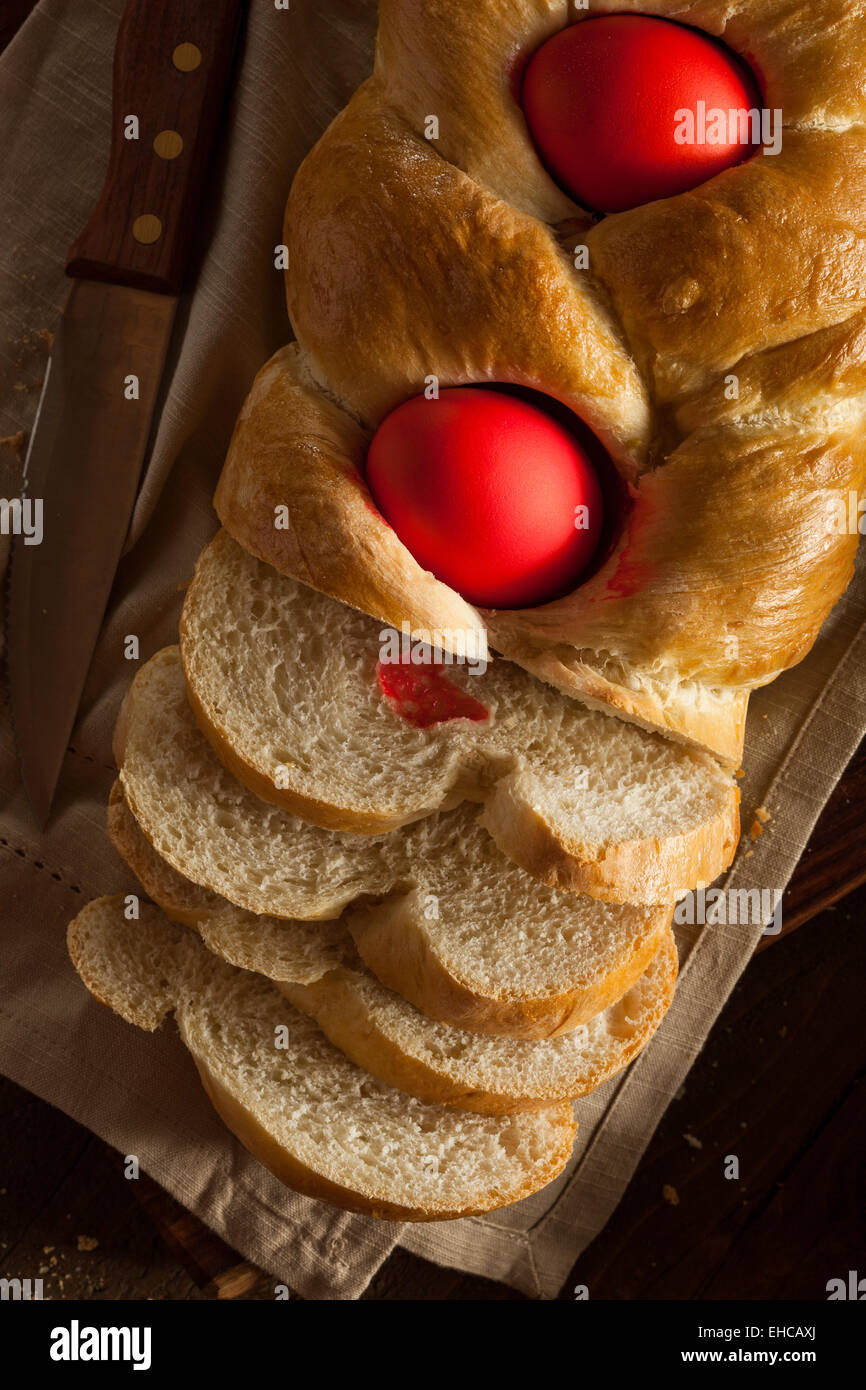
{"x":141,"y":1093}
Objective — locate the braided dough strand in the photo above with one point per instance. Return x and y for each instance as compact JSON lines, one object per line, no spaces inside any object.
{"x":452,"y":258}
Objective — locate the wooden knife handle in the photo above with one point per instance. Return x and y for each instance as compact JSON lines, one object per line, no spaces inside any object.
{"x":172,"y":66}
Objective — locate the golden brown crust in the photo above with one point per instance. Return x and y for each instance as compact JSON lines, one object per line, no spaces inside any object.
{"x":729,"y":565}
{"x":186,"y":903}
{"x":334,"y":1004}
{"x":143,"y":990}
{"x":299,"y":1176}
{"x":146,"y":1007}
{"x":293,"y":449}
{"x":308,"y":808}
{"x":702,"y":717}
{"x":377,"y":205}
{"x":646,"y":871}
{"x":635,"y":871}
{"x":725,"y":569}
{"x":764,"y":255}
{"x":400,"y":954}
{"x":428,"y":58}
{"x":334,"y":1001}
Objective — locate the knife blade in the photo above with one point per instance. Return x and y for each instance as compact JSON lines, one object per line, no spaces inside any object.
{"x":172,"y":67}
{"x":83,"y":465}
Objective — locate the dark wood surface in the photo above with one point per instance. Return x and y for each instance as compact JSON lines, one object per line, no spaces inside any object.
{"x":834,"y":861}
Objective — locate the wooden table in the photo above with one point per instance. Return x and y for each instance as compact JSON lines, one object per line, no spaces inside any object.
{"x":778,"y":1078}
{"x":777,"y":1083}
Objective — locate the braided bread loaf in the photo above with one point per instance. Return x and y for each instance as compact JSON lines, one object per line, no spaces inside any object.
{"x":453,"y":257}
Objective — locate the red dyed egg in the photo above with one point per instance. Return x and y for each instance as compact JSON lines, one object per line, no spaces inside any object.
{"x":489,"y":493}
{"x":602,"y":97}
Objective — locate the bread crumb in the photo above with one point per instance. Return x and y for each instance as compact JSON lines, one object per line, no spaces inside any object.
{"x":46,"y":1249}
{"x":748,"y":854}
{"x":783,"y":1031}
{"x":15,"y":442}
{"x":762,"y":814}
{"x":670,"y":1194}
{"x":693,"y":1141}
{"x":87,"y":1242}
{"x":740,"y":773}
{"x":47,"y":336}
{"x":756,"y":830}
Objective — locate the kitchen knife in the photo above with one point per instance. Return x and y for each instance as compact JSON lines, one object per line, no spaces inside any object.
{"x":172,"y":67}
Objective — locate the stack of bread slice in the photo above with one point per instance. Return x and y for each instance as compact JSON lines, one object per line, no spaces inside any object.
{"x":398,"y":949}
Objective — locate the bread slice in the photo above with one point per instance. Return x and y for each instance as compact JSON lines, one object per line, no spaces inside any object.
{"x":281,"y":949}
{"x":395,"y":1041}
{"x":381,"y":1031}
{"x":283,"y":682}
{"x":436,"y":910}
{"x":318,"y":1122}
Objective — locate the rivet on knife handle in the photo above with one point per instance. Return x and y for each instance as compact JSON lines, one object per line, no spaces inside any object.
{"x":174,"y":85}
